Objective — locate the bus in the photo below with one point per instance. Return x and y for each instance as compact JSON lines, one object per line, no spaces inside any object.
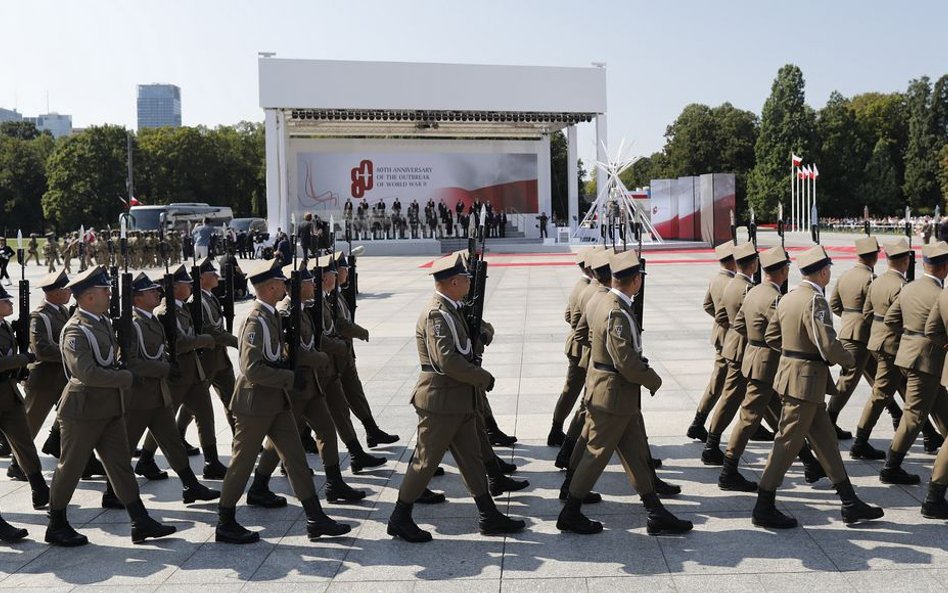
{"x":177,"y":216}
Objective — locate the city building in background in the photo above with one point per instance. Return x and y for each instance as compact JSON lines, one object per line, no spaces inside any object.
{"x":10,"y":115}
{"x":159,"y":105}
{"x":57,"y":124}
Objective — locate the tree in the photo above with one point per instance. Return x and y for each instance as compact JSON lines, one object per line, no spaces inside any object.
{"x":22,"y":183}
{"x":920,"y":185}
{"x":23,"y":130}
{"x":691,"y":142}
{"x":786,"y":126}
{"x":943,"y":171}
{"x":881,"y":186}
{"x":558,"y":176}
{"x":842,"y":157}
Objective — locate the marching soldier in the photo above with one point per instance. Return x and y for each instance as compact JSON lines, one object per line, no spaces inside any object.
{"x":732,"y":351}
{"x":615,"y":378}
{"x":69,"y":251}
{"x":32,"y":250}
{"x":575,"y":374}
{"x":51,"y":252}
{"x":920,"y":359}
{"x":189,"y":387}
{"x":802,"y":329}
{"x":91,"y":413}
{"x":262,"y":408}
{"x":712,"y":298}
{"x":936,"y":330}
{"x":149,"y":404}
{"x":444,"y":399}
{"x":848,"y":303}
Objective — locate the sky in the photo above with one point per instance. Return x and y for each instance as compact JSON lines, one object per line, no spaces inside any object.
{"x":86,"y":58}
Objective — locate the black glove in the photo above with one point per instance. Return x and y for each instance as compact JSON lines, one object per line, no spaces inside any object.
{"x":299,"y":378}
{"x":490,"y":386}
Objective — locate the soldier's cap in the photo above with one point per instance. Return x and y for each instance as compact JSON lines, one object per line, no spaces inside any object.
{"x":259,"y":271}
{"x":582,"y":255}
{"x":724,"y":251}
{"x":774,"y":258}
{"x":53,"y":281}
{"x":448,"y":266}
{"x":745,"y":251}
{"x":896,"y":249}
{"x":813,"y":260}
{"x":207,"y":265}
{"x":600,"y":259}
{"x":341,"y":260}
{"x":625,"y":264}
{"x":935,"y":253}
{"x":142,"y":282}
{"x":305,"y":274}
{"x":94,"y":277}
{"x":4,"y":295}
{"x":867,"y":246}
{"x":327,"y":263}
{"x":180,"y":275}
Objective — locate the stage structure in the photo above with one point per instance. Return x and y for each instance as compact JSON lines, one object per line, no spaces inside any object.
{"x":613,"y":214}
{"x":339,"y":131}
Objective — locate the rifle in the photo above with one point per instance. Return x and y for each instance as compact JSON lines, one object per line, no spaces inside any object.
{"x":315,"y":309}
{"x":21,"y":330}
{"x":733,"y":228}
{"x":334,"y":296}
{"x":82,"y":248}
{"x":115,"y":311}
{"x":638,"y":304}
{"x":124,"y":325}
{"x":227,"y":303}
{"x":477,"y":292}
{"x":752,"y":235}
{"x":910,"y":273}
{"x":815,"y":227}
{"x":351,"y":289}
{"x":780,"y":226}
{"x":865,"y":219}
{"x":292,"y":329}
{"x":169,"y":321}
{"x":197,"y":297}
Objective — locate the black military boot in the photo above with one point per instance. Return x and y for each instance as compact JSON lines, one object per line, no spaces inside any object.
{"x":192,"y":490}
{"x":147,"y":468}
{"x":572,"y":519}
{"x":731,"y":479}
{"x":712,"y":454}
{"x":60,"y":533}
{"x":812,"y":470}
{"x":375,"y":436}
{"x":556,"y":436}
{"x":190,"y":449}
{"x":855,"y":510}
{"x":766,"y":513}
{"x":229,"y":531}
{"x":497,"y":437}
{"x":39,"y":490}
{"x":505,"y":466}
{"x":143,"y":526}
{"x":660,"y":520}
{"x":893,"y":473}
{"x":663,"y":488}
{"x":430,"y":497}
{"x":337,"y":490}
{"x":400,"y":524}
{"x":762,"y":435}
{"x":590,"y":498}
{"x":318,"y":523}
{"x":213,"y":468}
{"x":5,"y":450}
{"x":566,"y":451}
{"x":53,"y":444}
{"x":861,"y":448}
{"x":931,"y":439}
{"x":500,"y":482}
{"x":492,"y":521}
{"x":259,"y":494}
{"x":15,"y":472}
{"x":841,"y":434}
{"x":109,"y":499}
{"x":360,"y":460}
{"x":895,"y":411}
{"x":9,"y":533}
{"x":309,"y":443}
{"x":697,"y":430}
{"x":935,"y":506}
{"x":93,"y":469}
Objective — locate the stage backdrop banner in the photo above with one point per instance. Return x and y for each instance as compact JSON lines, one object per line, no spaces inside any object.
{"x":325,"y":180}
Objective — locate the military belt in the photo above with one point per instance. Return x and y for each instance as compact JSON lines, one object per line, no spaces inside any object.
{"x":912,"y":332}
{"x":878,"y":317}
{"x":801,"y":355}
{"x":758,"y":343}
{"x":427,"y":368}
{"x":851,"y":310}
{"x":607,"y":368}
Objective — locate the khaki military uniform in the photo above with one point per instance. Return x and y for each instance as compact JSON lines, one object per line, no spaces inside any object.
{"x":936,"y":330}
{"x":735,"y":385}
{"x":614,"y":382}
{"x":331,"y":380}
{"x":712,"y":300}
{"x":348,"y":373}
{"x":13,"y":422}
{"x":444,"y":399}
{"x":262,"y":408}
{"x":849,"y":304}
{"x":51,"y":253}
{"x":803,"y":329}
{"x":883,"y":345}
{"x":917,"y":313}
{"x":758,"y":366}
{"x":308,"y":403}
{"x":575,"y":374}
{"x":32,"y":251}
{"x":47,"y":378}
{"x":91,"y":410}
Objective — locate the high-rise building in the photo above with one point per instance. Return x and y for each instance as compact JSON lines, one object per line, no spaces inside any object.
{"x":57,"y":124}
{"x":159,"y":105}
{"x":10,"y":115}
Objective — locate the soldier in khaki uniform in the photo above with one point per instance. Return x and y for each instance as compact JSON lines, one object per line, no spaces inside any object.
{"x":189,"y":387}
{"x":575,"y":374}
{"x":936,"y":330}
{"x":149,"y":404}
{"x":735,"y":386}
{"x":262,"y":409}
{"x":921,"y":358}
{"x":615,"y":378}
{"x":444,"y":399}
{"x":309,"y":407}
{"x":91,"y":413}
{"x":802,"y":329}
{"x":712,"y":298}
{"x":848,"y":303}
{"x":51,"y":253}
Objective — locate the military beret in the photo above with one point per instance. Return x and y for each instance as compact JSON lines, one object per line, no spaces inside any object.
{"x":94,"y":277}
{"x":774,"y":258}
{"x":142,"y":282}
{"x":724,"y":251}
{"x":53,"y":281}
{"x":745,"y":251}
{"x":896,"y":249}
{"x":625,"y":264}
{"x":813,"y":260}
{"x":935,"y":253}
{"x":867,"y":246}
{"x":259,"y":271}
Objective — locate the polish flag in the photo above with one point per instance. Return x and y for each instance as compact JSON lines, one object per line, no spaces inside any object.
{"x":797,"y":161}
{"x":816,"y":172}
{"x":801,"y":173}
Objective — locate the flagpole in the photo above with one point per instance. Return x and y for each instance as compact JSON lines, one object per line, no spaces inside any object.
{"x":793,"y":191}
{"x":814,"y":191}
{"x":806,"y":199}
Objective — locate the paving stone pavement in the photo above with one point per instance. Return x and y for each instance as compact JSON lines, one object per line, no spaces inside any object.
{"x":527,"y":293}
